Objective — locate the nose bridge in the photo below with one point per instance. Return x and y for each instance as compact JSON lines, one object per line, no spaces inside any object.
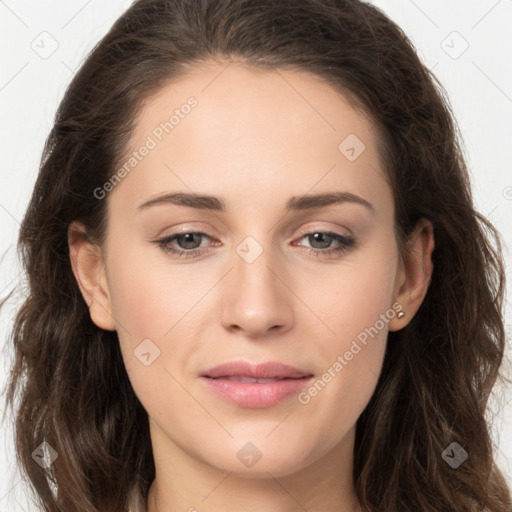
{"x":257,"y":300}
{"x":252,"y":263}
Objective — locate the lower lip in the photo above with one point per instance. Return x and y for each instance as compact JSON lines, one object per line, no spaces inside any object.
{"x":253,"y":394}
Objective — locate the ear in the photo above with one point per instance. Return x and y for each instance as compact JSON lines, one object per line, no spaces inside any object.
{"x":89,"y":270}
{"x":415,"y":272}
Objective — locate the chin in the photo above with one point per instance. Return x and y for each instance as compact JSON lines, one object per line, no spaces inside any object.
{"x":251,"y":462}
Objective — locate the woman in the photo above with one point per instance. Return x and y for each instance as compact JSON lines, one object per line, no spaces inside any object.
{"x":257,"y":277}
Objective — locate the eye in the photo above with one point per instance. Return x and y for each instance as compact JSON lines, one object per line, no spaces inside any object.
{"x":321,"y":243}
{"x":187,"y":240}
{"x":189,"y":243}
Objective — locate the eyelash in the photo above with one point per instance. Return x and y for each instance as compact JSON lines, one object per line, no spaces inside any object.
{"x":346,"y":244}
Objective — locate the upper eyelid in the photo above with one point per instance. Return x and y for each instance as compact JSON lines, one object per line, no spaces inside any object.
{"x":300,"y":231}
{"x":307,"y":231}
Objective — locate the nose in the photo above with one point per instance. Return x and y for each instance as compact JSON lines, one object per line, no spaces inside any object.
{"x":257,"y":299}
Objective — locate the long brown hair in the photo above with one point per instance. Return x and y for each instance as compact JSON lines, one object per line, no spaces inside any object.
{"x":438,"y":372}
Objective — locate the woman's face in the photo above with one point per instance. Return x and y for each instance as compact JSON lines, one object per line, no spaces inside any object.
{"x":256,"y":285}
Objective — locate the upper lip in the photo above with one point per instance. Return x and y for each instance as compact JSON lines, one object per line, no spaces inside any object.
{"x":268,"y":370}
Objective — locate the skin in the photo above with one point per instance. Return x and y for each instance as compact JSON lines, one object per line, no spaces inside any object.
{"x":255,"y":139}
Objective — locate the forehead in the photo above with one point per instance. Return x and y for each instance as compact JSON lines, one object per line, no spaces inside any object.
{"x":224,"y":127}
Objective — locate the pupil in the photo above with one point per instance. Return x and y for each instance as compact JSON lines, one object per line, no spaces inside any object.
{"x":320,"y":235}
{"x":188,"y":239}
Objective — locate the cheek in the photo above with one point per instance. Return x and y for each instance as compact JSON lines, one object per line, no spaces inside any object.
{"x":349,"y":375}
{"x":351,"y":295}
{"x":356,"y":305}
{"x":149,"y":302}
{"x":149,"y":295}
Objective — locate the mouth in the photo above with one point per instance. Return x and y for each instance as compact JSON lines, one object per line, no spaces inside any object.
{"x":255,"y":386}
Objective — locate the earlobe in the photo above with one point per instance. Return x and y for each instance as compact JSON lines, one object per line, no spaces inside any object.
{"x":89,"y":271}
{"x":415,"y":274}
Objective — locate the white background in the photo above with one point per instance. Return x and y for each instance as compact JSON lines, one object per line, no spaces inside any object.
{"x":478,"y":82}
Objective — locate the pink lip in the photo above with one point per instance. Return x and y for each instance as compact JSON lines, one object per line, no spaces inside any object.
{"x":288,"y":381}
{"x":270,"y":370}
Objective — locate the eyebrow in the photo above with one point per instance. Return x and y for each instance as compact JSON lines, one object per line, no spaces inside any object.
{"x":295,"y":203}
